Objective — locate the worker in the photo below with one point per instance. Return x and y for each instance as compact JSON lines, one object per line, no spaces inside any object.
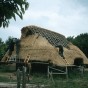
{"x":61,"y":51}
{"x":11,"y":47}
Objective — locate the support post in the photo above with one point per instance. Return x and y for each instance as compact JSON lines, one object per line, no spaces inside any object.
{"x":24,"y":77}
{"x":48,"y":71}
{"x":66,"y":72}
{"x":18,"y":78}
{"x":82,"y":70}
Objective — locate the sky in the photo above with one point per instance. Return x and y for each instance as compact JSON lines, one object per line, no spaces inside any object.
{"x":67,"y":17}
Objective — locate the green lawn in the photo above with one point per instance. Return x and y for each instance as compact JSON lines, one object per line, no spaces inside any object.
{"x":75,"y":79}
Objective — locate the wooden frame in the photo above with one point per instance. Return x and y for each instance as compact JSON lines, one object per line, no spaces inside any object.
{"x":51,"y":73}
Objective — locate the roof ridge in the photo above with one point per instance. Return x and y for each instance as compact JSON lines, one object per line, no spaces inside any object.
{"x":53,"y":37}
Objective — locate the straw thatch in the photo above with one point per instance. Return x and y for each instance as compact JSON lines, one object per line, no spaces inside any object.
{"x":39,"y":44}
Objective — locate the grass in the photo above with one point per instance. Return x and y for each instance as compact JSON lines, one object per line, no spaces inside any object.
{"x":7,"y":77}
{"x":6,"y":74}
{"x":4,"y":79}
{"x":75,"y":80}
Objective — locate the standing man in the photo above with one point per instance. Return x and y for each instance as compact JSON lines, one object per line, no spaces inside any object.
{"x":11,"y":47}
{"x":61,"y":51}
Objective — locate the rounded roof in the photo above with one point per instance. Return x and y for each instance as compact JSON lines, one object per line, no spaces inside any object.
{"x":54,"y":38}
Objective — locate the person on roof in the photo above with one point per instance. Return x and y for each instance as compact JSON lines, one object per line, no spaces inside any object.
{"x":11,"y":47}
{"x":61,"y":51}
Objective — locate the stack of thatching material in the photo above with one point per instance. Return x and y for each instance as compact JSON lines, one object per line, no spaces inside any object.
{"x":39,"y":44}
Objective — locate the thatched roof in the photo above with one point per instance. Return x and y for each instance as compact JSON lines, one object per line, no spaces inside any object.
{"x":53,"y":37}
{"x":39,"y":44}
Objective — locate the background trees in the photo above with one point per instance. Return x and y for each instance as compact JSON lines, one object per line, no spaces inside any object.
{"x":2,"y":48}
{"x":10,"y":8}
{"x":80,"y":41}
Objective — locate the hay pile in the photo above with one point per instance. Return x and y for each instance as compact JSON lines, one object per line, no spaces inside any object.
{"x":35,"y":45}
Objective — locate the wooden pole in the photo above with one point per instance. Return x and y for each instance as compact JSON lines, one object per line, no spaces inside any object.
{"x":66,"y":69}
{"x":82,"y":70}
{"x":24,"y":77}
{"x":66,"y":72}
{"x":48,"y":71}
{"x":18,"y":78}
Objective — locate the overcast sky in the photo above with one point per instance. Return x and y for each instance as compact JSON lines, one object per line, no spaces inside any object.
{"x":67,"y":17}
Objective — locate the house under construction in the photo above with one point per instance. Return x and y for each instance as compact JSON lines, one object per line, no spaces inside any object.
{"x":39,"y":45}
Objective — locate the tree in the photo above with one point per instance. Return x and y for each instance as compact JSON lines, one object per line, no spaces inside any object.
{"x":10,"y":8}
{"x":2,"y":48}
{"x":7,"y":42}
{"x":80,"y":41}
{"x":71,"y":39}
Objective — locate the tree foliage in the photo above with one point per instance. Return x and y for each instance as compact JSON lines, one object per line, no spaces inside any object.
{"x":71,"y":39}
{"x":7,"y":42}
{"x":10,"y":8}
{"x":81,"y":41}
{"x":2,"y":48}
